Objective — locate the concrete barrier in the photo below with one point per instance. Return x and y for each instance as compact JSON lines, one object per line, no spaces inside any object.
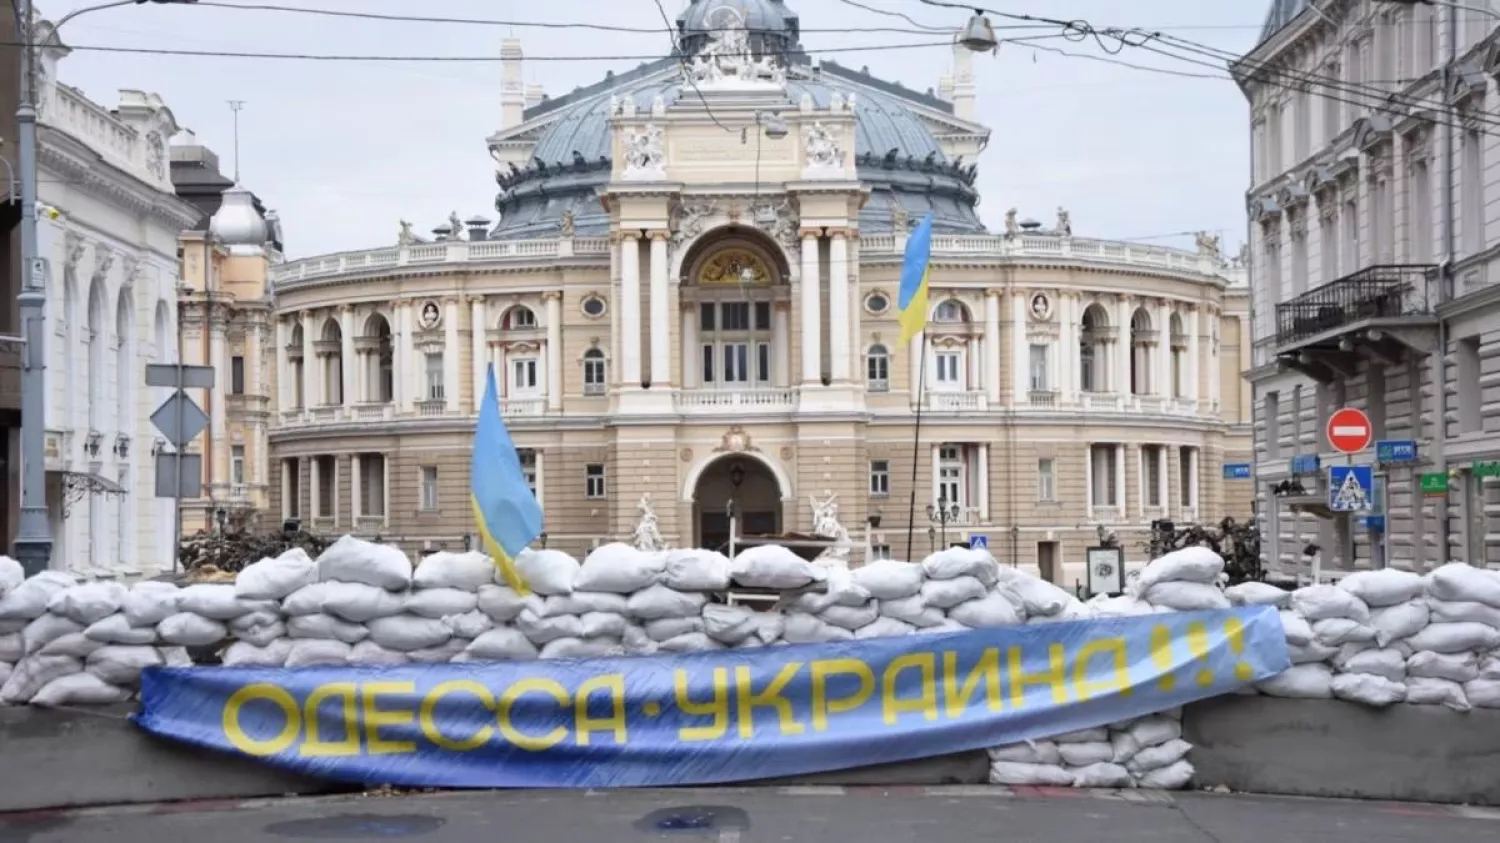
{"x":1329,"y":748}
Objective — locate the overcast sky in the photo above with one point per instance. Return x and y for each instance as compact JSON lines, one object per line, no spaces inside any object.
{"x":343,"y":150}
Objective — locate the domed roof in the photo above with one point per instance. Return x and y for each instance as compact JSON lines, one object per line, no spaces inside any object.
{"x":770,"y":22}
{"x":237,"y":223}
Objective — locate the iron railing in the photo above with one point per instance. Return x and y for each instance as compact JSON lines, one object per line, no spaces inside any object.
{"x":1376,"y":292}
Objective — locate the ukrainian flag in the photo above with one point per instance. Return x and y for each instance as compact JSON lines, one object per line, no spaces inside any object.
{"x":911,"y":300}
{"x":505,"y":508}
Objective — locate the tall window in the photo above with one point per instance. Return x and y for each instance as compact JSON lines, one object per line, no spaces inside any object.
{"x":1041,"y":378}
{"x":1471,"y":221}
{"x":429,"y":488}
{"x":593,"y":372}
{"x":291,"y":487}
{"x":880,"y":478}
{"x":1349,"y":217}
{"x":1187,"y":466}
{"x":528,"y":466}
{"x":947,"y":368}
{"x":736,"y":343}
{"x":1272,"y":413}
{"x":523,"y":376}
{"x":878,"y":369}
{"x":1151,"y":476}
{"x":1046,"y":479}
{"x":1274,"y":140}
{"x":435,"y":376}
{"x":593,"y":481}
{"x":1333,"y":97}
{"x":1419,"y":212}
{"x":1299,"y":260}
{"x":237,"y":465}
{"x":372,"y":476}
{"x":1104,"y":474}
{"x":519,"y":318}
{"x":237,"y":375}
{"x":948,"y":312}
{"x":327,"y":477}
{"x":950,"y":485}
{"x":1328,"y":245}
{"x":1301,"y":125}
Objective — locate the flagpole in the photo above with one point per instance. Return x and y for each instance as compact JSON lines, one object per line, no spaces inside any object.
{"x":916,"y":444}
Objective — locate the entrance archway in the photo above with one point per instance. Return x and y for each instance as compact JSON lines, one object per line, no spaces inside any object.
{"x":752,"y":488}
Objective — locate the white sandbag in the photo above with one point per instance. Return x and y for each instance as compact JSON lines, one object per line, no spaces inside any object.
{"x":1084,"y":754}
{"x":442,"y":653}
{"x":1384,"y":587}
{"x":849,"y":617}
{"x":362,"y":602}
{"x":463,"y":571}
{"x":619,"y":568}
{"x":1454,"y":667}
{"x":1489,"y":667}
{"x":1462,"y":583}
{"x":729,"y":624}
{"x":658,"y":602}
{"x":74,"y":644}
{"x":245,"y":654}
{"x":1258,"y":594}
{"x":1103,"y":774}
{"x":408,"y":632}
{"x":261,"y":636}
{"x":1352,"y":649}
{"x":888,"y":579}
{"x":603,"y":625}
{"x":948,"y":625}
{"x":473,"y":624}
{"x":1483,"y":693}
{"x":1038,"y":597}
{"x":807,"y":602}
{"x":1311,"y":652}
{"x":1154,"y":731}
{"x":696,"y":570}
{"x":353,"y":560}
{"x":884,"y":627}
{"x":843,"y":590}
{"x":989,"y":611}
{"x":29,"y":600}
{"x":1093,"y":735}
{"x":1184,"y":596}
{"x":1455,"y":637}
{"x":1029,"y":752}
{"x":1367,"y":690}
{"x":308,"y":652}
{"x":33,"y":672}
{"x":1387,"y":663}
{"x":947,"y":593}
{"x":581,"y":602}
{"x":540,"y":630}
{"x":912,"y":610}
{"x":253,"y":620}
{"x":1124,"y":606}
{"x":501,"y":603}
{"x":89,"y":602}
{"x":1189,"y":564}
{"x":9,"y":626}
{"x":122,"y":665}
{"x":189,"y":630}
{"x":1445,"y":611}
{"x":1300,"y":682}
{"x":1444,"y":692}
{"x":215,"y":601}
{"x":954,"y":562}
{"x":773,"y":566}
{"x":502,"y":644}
{"x":1158,"y":757}
{"x":1038,"y":775}
{"x":175,"y":657}
{"x":326,"y":627}
{"x":372,"y":654}
{"x":13,"y":647}
{"x":437,"y":602}
{"x":769,"y":626}
{"x":808,"y":629}
{"x":547,"y":571}
{"x":46,"y":629}
{"x":1320,"y":602}
{"x":308,"y":600}
{"x":666,"y":629}
{"x":1336,"y":632}
{"x":1298,"y":631}
{"x":1174,"y":777}
{"x":1123,"y":746}
{"x":275,"y":578}
{"x":149,"y":603}
{"x":693,"y":642}
{"x":1403,"y":620}
{"x":11,"y":574}
{"x":582,"y":648}
{"x":79,"y":689}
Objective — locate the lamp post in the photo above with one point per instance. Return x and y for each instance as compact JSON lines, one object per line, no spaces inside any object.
{"x":221,"y":515}
{"x":942,"y":515}
{"x":736,"y":477}
{"x":33,"y":547}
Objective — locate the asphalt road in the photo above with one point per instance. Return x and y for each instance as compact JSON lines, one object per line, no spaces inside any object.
{"x":788,"y":815}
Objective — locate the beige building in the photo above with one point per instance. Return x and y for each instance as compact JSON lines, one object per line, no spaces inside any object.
{"x":695,"y":315}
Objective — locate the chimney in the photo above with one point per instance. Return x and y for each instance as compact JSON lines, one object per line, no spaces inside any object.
{"x":513,"y":88}
{"x":963,"y":82}
{"x":534,"y":95}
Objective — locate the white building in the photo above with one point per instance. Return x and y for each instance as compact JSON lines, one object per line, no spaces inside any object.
{"x":1375,"y":205}
{"x":109,"y":231}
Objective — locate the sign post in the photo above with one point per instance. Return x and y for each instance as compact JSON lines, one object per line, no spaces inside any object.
{"x":180,"y":420}
{"x":1350,"y":431}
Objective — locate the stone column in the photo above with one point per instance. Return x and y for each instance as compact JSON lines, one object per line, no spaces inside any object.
{"x":1070,"y":367}
{"x":1020,"y":355}
{"x":992,"y":344}
{"x":346,"y":355}
{"x":983,"y":484}
{"x":661,"y":313}
{"x":1089,"y":500}
{"x":218,"y":350}
{"x":356,"y":500}
{"x":1163,"y":485}
{"x":477,"y":348}
{"x":1120,"y":500}
{"x":315,"y":491}
{"x":287,"y":505}
{"x":1193,"y":501}
{"x":1214,"y":367}
{"x":934,"y":476}
{"x":1124,"y":347}
{"x":812,"y":315}
{"x":385,"y":490}
{"x":553,"y":302}
{"x":284,"y":381}
{"x":312,"y":369}
{"x":1194,"y":356}
{"x":781,"y":344}
{"x":689,"y":351}
{"x":450,"y":354}
{"x":630,"y":311}
{"x":838,"y":307}
{"x":1162,"y":353}
{"x":408,"y":367}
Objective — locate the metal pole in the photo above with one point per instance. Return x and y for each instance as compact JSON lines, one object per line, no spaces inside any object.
{"x":1445,"y":284}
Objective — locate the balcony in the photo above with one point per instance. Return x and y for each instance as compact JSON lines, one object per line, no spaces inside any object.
{"x":1188,"y":515}
{"x":1105,"y":513}
{"x":1105,"y":402}
{"x":1151,"y":404}
{"x":369,"y":523}
{"x":323,"y":523}
{"x":372,"y":412}
{"x":1153,"y":513}
{"x":956,"y":402}
{"x":523,"y":407}
{"x":331,"y":413}
{"x":432,"y":409}
{"x":744,"y":400}
{"x":1382,"y":310}
{"x":1045,"y":398}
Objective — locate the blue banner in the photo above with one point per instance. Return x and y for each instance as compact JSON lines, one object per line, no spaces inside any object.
{"x":707,"y":718}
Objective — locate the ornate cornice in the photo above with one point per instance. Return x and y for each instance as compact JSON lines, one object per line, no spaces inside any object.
{"x":83,"y":168}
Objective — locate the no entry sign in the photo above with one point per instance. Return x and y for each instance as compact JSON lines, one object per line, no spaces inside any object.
{"x":1349,"y":430}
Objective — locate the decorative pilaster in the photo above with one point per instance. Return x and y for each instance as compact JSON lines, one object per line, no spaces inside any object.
{"x":346,"y":356}
{"x":630,"y":310}
{"x":1020,"y":353}
{"x":553,"y":302}
{"x":661,"y":312}
{"x":478,"y":349}
{"x":312,"y":369}
{"x":992,"y":344}
{"x":812,"y":316}
{"x":1123,"y":349}
{"x":781,"y":343}
{"x":838,"y":306}
{"x":284,"y":380}
{"x":450,"y":354}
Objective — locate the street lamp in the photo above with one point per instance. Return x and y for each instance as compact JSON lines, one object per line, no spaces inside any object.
{"x":33,"y":548}
{"x":978,"y":36}
{"x":942,"y":515}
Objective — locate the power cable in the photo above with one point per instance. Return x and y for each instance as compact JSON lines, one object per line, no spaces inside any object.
{"x":686,"y":74}
{"x":901,"y":15}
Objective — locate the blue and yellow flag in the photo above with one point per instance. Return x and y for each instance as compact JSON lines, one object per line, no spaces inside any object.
{"x":911,"y":300}
{"x":505,"y":508}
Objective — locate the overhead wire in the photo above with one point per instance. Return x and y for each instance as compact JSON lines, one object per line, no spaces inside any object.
{"x":682,"y":62}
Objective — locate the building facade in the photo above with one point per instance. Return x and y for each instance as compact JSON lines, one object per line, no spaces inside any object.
{"x":109,"y":236}
{"x":10,"y":286}
{"x":705,"y":320}
{"x":1374,"y":276}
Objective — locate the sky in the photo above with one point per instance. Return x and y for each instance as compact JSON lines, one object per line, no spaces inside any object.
{"x":345,"y":150}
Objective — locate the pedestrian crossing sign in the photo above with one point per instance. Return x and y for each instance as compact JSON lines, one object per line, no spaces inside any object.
{"x":1351,"y":488}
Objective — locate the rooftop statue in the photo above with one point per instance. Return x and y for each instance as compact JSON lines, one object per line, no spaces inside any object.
{"x":727,"y":61}
{"x":645,"y":156}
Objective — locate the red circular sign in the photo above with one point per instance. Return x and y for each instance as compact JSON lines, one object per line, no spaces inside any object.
{"x":1349,"y":430}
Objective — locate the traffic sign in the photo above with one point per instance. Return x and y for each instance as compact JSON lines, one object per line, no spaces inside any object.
{"x":1237,"y":471}
{"x":979,"y":542}
{"x":1349,"y":430}
{"x":1351,"y":488}
{"x":1434,"y":484}
{"x":1485,"y":469}
{"x":180,"y":419}
{"x":168,"y":374}
{"x":1395,"y":451}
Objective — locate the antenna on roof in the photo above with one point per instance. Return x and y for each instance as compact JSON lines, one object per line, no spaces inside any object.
{"x":236,"y":106}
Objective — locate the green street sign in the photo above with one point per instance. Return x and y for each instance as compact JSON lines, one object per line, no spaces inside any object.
{"x":1434,"y":484}
{"x":1485,"y":469}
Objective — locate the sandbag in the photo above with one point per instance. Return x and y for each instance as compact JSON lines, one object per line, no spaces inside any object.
{"x":46,"y":629}
{"x":1174,"y":777}
{"x":254,"y":620}
{"x":13,"y":647}
{"x":245,"y":654}
{"x":1425,"y":691}
{"x":1455,"y":637}
{"x":1335,"y":632}
{"x":954,"y":562}
{"x":843,"y":590}
{"x":620,"y":569}
{"x":950,"y":592}
{"x":1454,"y":667}
{"x":540,"y":630}
{"x":1402,"y":620}
{"x":1092,"y":735}
{"x":149,"y":603}
{"x":79,"y":689}
{"x":1445,"y":611}
{"x":769,"y":626}
{"x":326,"y":627}
{"x":353,"y":560}
{"x":692,"y":642}
{"x":1489,"y":667}
{"x":808,"y":629}
{"x":1159,"y":756}
{"x":215,"y":601}
{"x":849,"y":617}
{"x":372,"y":654}
{"x":1303,"y":681}
{"x":1184,"y":596}
{"x":1035,"y":597}
{"x":1258,"y":594}
{"x":33,"y":672}
{"x":1387,"y":663}
{"x":408,"y":632}
{"x":1123,"y":746}
{"x":1030,"y":752}
{"x":501,"y":603}
{"x":1321,"y":602}
{"x":361,"y":602}
{"x":603,"y":625}
{"x":729,"y":624}
{"x":1311,"y":652}
{"x":1384,"y":587}
{"x":261,"y":636}
{"x":1084,"y":754}
{"x":474,"y":624}
{"x":502,"y":644}
{"x":436,"y":602}
{"x":74,"y":644}
{"x":29,"y":600}
{"x":666,"y":629}
{"x":444,"y":652}
{"x":888,"y":579}
{"x":992,"y":610}
{"x":581,"y":602}
{"x":696,"y":570}
{"x":89,"y":602}
{"x":308,"y":600}
{"x":1462,"y":583}
{"x":122,"y":665}
{"x":188,"y":630}
{"x":773,"y":566}
{"x":1041,"y":775}
{"x":1189,"y":564}
{"x":547,"y":571}
{"x":912,"y":610}
{"x":1483,"y":693}
{"x":1367,"y":690}
{"x":658,"y":602}
{"x":275,"y":578}
{"x":582,"y":648}
{"x":1124,"y":606}
{"x":310,"y":652}
{"x":462,"y":571}
{"x":1298,"y":631}
{"x":884,"y":627}
{"x":11,"y":574}
{"x":1153,"y":731}
{"x":1103,"y":774}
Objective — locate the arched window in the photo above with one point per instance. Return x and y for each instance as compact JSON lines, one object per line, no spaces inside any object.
{"x":1179,"y":357}
{"x":1090,"y":352}
{"x":950,"y":312}
{"x":333,"y":363}
{"x":1141,"y":339}
{"x":296,"y":359}
{"x":518,"y":318}
{"x":878,"y":369}
{"x":594,"y":376}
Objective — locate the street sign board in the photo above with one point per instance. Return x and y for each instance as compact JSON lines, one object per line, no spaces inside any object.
{"x":979,"y":542}
{"x":1105,"y":570}
{"x":1375,"y":523}
{"x":1434,"y":484}
{"x":1395,"y":451}
{"x":1351,"y":488}
{"x":1349,"y":430}
{"x":1237,"y":471}
{"x":167,"y":475}
{"x":1485,"y":469}
{"x":179,"y":419}
{"x":1306,"y":464}
{"x":166,"y":374}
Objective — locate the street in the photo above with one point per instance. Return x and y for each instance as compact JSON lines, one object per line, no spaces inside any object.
{"x":742,"y":815}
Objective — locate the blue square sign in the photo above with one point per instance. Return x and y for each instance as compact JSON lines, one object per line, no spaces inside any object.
{"x":1351,"y":488}
{"x":979,"y":542}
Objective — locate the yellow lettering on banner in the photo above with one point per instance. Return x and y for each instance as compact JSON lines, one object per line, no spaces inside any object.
{"x":769,"y":697}
{"x":427,"y":718}
{"x":717,"y":707}
{"x":531,"y":743}
{"x":1055,"y":677}
{"x":375,"y":718}
{"x":1118,"y":670}
{"x":1161,"y":656}
{"x":925,"y":703}
{"x":822,"y":706}
{"x":956,"y":698}
{"x":315,"y":746}
{"x":277,"y":696}
{"x":614,"y":683}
